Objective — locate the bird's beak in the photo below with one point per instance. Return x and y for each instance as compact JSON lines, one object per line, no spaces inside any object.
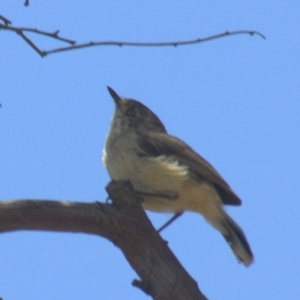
{"x":115,"y":96}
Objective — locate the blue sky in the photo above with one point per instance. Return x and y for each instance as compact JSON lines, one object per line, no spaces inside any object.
{"x":235,"y":100}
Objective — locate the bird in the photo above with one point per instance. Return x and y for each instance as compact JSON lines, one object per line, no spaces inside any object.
{"x":168,"y":173}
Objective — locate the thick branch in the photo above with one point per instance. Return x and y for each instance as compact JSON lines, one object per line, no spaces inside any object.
{"x":124,"y":223}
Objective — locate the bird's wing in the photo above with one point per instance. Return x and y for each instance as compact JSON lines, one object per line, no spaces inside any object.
{"x":155,"y":144}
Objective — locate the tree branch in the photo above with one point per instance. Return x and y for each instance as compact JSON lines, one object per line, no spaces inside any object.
{"x":124,"y":223}
{"x":153,"y":44}
{"x":6,"y":21}
{"x":73,"y":46}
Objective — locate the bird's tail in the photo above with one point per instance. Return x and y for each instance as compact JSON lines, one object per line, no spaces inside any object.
{"x":235,"y":237}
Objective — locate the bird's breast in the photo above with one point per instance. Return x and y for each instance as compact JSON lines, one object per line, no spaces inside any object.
{"x":146,"y":173}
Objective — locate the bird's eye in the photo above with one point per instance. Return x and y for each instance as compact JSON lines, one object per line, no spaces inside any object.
{"x":129,"y":111}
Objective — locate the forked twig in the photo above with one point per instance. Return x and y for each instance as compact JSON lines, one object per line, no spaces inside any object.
{"x":6,"y":21}
{"x":22,"y":30}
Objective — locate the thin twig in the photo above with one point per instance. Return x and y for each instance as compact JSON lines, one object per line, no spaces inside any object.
{"x":21,"y":30}
{"x":30,"y":43}
{"x":51,"y":34}
{"x":6,"y":21}
{"x":37,"y":31}
{"x":154,"y":44}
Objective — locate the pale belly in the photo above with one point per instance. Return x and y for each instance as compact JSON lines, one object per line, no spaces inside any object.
{"x":161,"y":175}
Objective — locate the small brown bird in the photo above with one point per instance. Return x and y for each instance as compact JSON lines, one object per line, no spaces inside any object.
{"x":169,"y":174}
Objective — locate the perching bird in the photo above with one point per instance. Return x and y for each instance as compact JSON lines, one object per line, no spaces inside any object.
{"x":169,"y":174}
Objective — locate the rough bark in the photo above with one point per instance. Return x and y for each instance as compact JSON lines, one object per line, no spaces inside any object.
{"x":124,"y":223}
